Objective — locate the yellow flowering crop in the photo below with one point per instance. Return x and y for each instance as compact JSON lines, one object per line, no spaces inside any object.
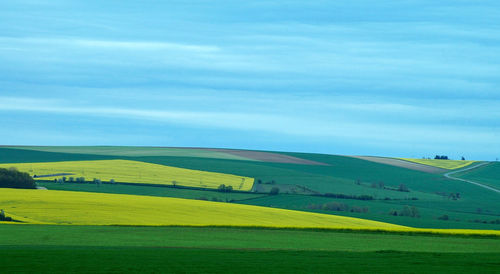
{"x":84,"y":208}
{"x":446,"y":164}
{"x":126,"y":171}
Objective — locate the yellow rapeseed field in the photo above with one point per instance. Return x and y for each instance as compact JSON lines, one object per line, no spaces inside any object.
{"x":126,"y":171}
{"x":84,"y":208}
{"x":446,"y":164}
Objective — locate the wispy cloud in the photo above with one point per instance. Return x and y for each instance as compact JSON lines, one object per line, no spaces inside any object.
{"x":75,"y":43}
{"x":402,"y":74}
{"x":285,"y":125}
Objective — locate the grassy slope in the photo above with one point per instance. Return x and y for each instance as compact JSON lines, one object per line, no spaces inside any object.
{"x":133,"y":151}
{"x":488,"y":174}
{"x":214,"y":250}
{"x":153,"y":191}
{"x":378,"y":211}
{"x":8,"y":155}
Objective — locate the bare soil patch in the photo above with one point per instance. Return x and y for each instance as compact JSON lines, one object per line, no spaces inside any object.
{"x":267,"y":156}
{"x":402,"y":163}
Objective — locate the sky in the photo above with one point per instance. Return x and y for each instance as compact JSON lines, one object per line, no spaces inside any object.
{"x":387,"y":78}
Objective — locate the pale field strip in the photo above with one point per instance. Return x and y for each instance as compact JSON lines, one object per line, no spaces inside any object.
{"x":446,"y":164}
{"x":83,"y":208}
{"x":126,"y":171}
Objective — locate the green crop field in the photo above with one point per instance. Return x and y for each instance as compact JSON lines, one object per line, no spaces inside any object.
{"x":62,"y":249}
{"x":133,"y":151}
{"x":177,"y":192}
{"x":487,"y":174}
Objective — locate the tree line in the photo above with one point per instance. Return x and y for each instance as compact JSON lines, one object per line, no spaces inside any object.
{"x":12,"y":178}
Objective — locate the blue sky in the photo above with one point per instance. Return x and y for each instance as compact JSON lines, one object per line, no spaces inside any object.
{"x":392,"y":78}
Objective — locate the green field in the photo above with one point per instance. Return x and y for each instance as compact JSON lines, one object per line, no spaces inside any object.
{"x":184,"y":249}
{"x":487,"y":174}
{"x":133,"y":151}
{"x":177,"y":192}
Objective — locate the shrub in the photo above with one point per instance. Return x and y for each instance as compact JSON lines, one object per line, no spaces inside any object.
{"x":406,"y":211}
{"x":224,"y":188}
{"x":403,"y":188}
{"x":444,"y":217}
{"x":358,"y":209}
{"x":274,"y":191}
{"x":3,"y":217}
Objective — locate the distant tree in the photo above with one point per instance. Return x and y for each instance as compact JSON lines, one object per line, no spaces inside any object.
{"x":3,"y":217}
{"x":12,"y":178}
{"x":463,"y":158}
{"x":112,"y":181}
{"x":414,"y":212}
{"x":403,"y":188}
{"x":274,"y":191}
{"x":393,"y":212}
{"x":444,"y":217}
{"x":174,"y":183}
{"x":224,"y":188}
{"x":358,"y":209}
{"x":71,"y":179}
{"x":406,"y":211}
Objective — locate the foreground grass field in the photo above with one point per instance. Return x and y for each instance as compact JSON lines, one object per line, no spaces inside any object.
{"x":446,"y":164}
{"x":63,"y":249}
{"x":126,"y":171}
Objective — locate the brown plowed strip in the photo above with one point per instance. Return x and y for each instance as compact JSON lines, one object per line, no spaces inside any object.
{"x":267,"y":156}
{"x":402,"y":163}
